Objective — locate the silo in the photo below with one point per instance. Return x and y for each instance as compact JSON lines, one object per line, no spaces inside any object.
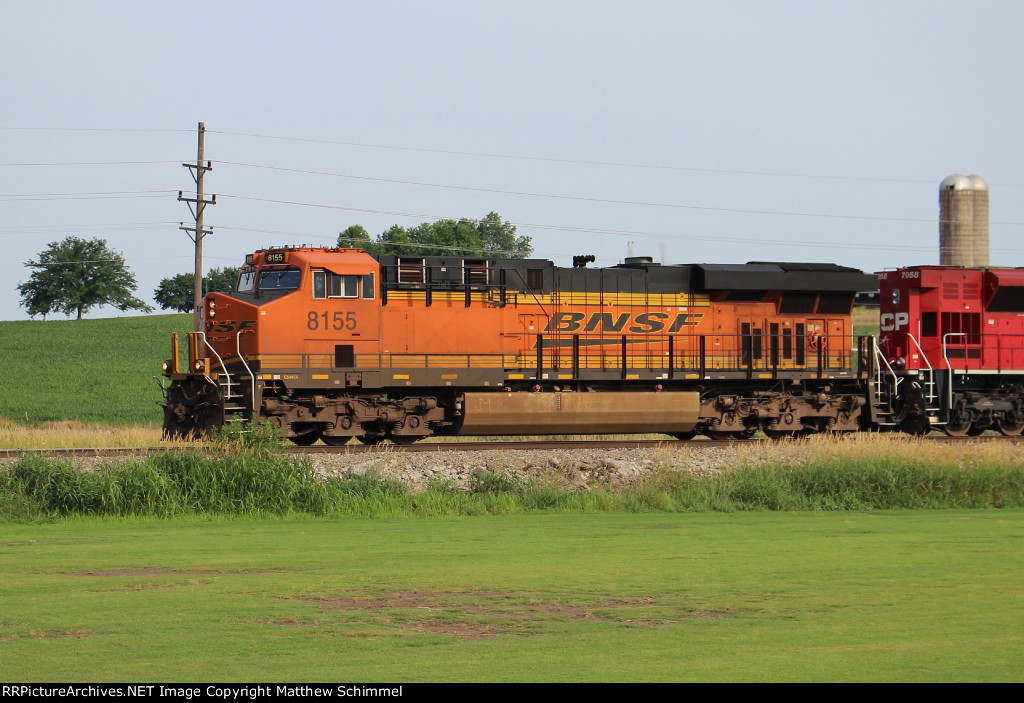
{"x":963,"y":221}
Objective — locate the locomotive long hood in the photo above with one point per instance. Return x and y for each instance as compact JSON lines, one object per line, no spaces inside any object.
{"x":760,"y":275}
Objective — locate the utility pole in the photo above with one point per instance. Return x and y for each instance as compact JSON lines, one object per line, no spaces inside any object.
{"x":196,"y":233}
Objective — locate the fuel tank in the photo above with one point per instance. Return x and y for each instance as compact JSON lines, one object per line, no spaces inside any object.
{"x":578,"y":413}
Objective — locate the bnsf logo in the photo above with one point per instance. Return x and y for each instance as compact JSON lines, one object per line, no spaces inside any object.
{"x":892,"y":321}
{"x":229,"y":326}
{"x":642,"y":323}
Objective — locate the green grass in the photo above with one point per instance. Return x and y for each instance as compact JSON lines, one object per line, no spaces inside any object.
{"x":756,"y":596}
{"x":865,"y":321}
{"x":93,"y":371}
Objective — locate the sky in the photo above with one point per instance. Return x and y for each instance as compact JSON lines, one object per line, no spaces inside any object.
{"x":717,"y":132}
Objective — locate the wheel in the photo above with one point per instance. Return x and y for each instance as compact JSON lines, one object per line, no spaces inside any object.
{"x":957,"y":429}
{"x":718,"y":435}
{"x":1010,"y":427}
{"x":745,"y":433}
{"x":915,"y":425}
{"x":403,"y":440}
{"x":684,"y":436}
{"x":779,"y":434}
{"x":334,"y":441}
{"x":305,"y":440}
{"x":306,"y":433}
{"x":976,"y":430}
{"x":370,"y":440}
{"x":909,"y":411}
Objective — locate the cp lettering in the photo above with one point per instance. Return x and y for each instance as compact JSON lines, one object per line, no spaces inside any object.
{"x":893,"y":321}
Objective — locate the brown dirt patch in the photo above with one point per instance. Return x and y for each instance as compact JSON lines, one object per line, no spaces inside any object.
{"x":75,"y":635}
{"x":292,"y":623}
{"x":501,"y":615}
{"x":462,"y":630}
{"x":411,"y":599}
{"x":168,"y":572}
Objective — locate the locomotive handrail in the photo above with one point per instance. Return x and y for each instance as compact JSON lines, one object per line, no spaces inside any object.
{"x":577,"y":352}
{"x":880,"y":357}
{"x":949,"y":367}
{"x":220,"y":360}
{"x":252,"y":376}
{"x":931,"y":371}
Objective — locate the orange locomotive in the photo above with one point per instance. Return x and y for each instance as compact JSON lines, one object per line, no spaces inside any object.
{"x":332,"y":344}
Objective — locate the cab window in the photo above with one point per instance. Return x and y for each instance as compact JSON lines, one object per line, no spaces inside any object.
{"x":246,"y":280}
{"x":327,"y":284}
{"x":279,"y":279}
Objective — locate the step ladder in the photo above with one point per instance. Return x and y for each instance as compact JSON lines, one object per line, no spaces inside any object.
{"x":883,"y":388}
{"x":237,"y":403}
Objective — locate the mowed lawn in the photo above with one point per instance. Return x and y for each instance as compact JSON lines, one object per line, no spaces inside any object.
{"x":881,"y":596}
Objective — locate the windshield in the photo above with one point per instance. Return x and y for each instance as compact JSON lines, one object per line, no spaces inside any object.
{"x":246,"y":280}
{"x":279,"y":279}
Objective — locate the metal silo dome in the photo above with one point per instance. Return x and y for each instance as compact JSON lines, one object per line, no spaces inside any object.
{"x":963,"y":221}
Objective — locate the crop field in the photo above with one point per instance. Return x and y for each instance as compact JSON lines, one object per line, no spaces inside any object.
{"x":896,"y":596}
{"x":90,"y":371}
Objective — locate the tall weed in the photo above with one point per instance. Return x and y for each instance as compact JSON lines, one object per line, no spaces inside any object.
{"x":248,"y":473}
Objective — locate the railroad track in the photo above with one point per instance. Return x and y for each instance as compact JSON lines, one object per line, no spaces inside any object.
{"x":356,"y":448}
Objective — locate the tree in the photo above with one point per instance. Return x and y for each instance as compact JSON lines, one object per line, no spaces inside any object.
{"x":356,"y":236}
{"x":177,"y":292}
{"x":487,"y":237}
{"x":75,"y":275}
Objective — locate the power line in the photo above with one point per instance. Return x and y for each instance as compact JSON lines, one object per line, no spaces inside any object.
{"x":89,"y":129}
{"x":581,"y":162}
{"x":50,"y":230}
{"x":88,"y":225}
{"x":90,"y":163}
{"x":36,"y":264}
{"x":640,"y":233}
{"x":29,"y":197}
{"x":579,"y":198}
{"x":624,"y":202}
{"x":491,"y":155}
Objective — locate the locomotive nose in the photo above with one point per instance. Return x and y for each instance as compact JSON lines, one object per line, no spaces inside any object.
{"x":226,"y":321}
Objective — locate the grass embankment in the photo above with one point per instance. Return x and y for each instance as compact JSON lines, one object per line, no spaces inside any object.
{"x":253,"y":477}
{"x":84,"y":371}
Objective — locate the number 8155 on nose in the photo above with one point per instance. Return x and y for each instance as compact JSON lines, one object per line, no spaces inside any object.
{"x":336,"y":321}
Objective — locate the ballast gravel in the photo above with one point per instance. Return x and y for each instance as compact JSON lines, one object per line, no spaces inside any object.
{"x":574,"y":469}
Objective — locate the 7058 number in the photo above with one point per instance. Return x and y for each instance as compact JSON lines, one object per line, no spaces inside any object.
{"x":338,"y":321}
